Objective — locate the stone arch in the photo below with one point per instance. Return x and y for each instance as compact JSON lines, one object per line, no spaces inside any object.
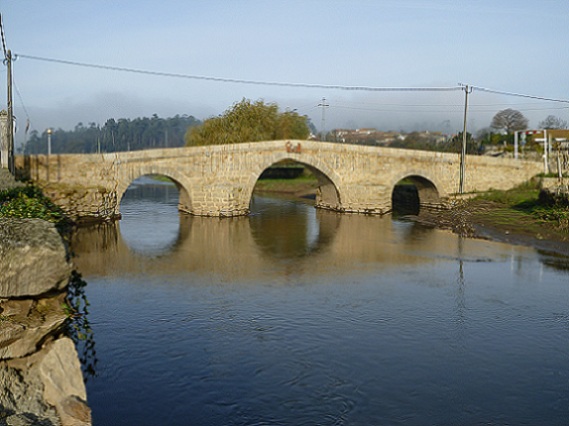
{"x":328,"y":194}
{"x":184,"y":202}
{"x":427,"y":189}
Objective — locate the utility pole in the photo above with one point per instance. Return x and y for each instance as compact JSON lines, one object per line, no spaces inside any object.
{"x":545,"y":156}
{"x":324,"y":105}
{"x":467,"y":91}
{"x":10,"y":123}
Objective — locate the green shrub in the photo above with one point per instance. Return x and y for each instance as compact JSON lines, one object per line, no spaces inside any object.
{"x":29,"y":202}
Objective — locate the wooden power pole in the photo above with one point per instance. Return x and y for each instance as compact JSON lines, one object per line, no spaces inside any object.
{"x":10,"y":123}
{"x":467,"y":90}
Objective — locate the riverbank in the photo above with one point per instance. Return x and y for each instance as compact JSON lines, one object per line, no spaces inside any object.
{"x":516,"y":217}
{"x":303,"y":186}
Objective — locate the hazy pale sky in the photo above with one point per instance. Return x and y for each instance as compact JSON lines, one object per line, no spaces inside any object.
{"x":514,"y":46}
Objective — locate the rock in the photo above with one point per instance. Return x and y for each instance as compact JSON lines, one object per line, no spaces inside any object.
{"x":25,"y":323}
{"x":7,"y":181}
{"x":21,"y":400}
{"x":45,"y":388}
{"x":27,"y":420}
{"x":74,"y":412}
{"x":63,"y":383}
{"x":58,"y":362}
{"x":33,"y":258}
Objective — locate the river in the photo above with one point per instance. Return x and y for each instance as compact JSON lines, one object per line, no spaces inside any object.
{"x":297,"y":316}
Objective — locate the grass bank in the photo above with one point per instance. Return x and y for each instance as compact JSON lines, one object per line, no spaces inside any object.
{"x":525,"y":209}
{"x":302,"y":185}
{"x":522,"y":215}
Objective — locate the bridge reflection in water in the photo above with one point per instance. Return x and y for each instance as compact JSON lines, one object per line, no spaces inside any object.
{"x":275,"y":236}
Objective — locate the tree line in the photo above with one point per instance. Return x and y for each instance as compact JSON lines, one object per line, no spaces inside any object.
{"x":248,"y":121}
{"x":115,"y":135}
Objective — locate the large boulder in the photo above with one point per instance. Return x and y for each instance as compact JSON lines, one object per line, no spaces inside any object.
{"x":33,"y":258}
{"x":45,"y":388}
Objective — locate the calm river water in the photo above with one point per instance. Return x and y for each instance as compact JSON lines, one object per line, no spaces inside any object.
{"x":296,"y":316}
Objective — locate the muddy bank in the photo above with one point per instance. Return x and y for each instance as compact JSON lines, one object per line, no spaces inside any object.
{"x":498,"y":222}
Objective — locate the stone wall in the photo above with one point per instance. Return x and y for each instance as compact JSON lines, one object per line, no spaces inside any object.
{"x":219,"y":180}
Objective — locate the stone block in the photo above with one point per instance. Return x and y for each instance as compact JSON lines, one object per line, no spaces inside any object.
{"x":25,"y":323}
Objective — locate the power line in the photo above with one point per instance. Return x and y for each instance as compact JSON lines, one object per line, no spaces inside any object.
{"x":403,"y":108}
{"x":3,"y":37}
{"x":414,"y":109}
{"x":28,"y":122}
{"x":520,"y":95}
{"x":277,"y":83}
{"x":242,"y":81}
{"x":397,"y":104}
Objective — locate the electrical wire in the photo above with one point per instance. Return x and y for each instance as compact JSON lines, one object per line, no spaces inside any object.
{"x":28,"y":122}
{"x":243,"y":81}
{"x":3,"y":37}
{"x":402,"y":109}
{"x":413,"y":108}
{"x":520,"y":95}
{"x":281,"y":84}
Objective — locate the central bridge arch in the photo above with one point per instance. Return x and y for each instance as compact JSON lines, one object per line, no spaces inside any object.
{"x":328,"y":191}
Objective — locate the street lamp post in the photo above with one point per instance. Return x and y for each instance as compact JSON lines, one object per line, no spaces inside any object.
{"x":48,"y":141}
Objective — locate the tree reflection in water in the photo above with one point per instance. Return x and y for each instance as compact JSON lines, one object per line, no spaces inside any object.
{"x":78,"y":327}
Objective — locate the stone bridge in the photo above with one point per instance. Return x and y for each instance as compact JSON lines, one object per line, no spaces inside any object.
{"x":219,"y":180}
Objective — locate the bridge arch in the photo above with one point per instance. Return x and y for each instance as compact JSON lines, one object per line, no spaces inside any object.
{"x":184,"y":202}
{"x":427,"y":190}
{"x":328,"y":193}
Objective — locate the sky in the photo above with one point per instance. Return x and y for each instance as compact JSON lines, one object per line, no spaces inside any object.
{"x":509,"y":46}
